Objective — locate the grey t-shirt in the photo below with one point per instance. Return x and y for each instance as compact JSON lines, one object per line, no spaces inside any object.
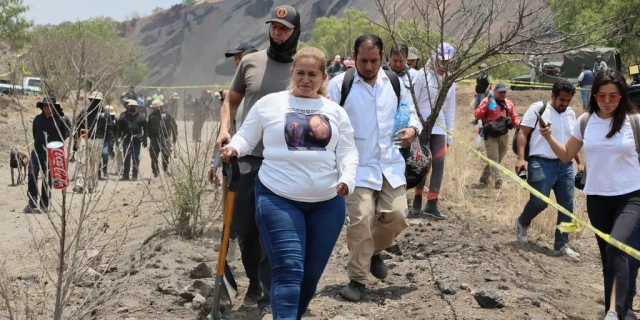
{"x":257,"y":76}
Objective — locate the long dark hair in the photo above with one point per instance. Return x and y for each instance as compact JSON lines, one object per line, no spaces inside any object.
{"x":625,"y":107}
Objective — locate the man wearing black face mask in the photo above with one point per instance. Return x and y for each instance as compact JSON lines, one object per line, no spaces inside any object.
{"x":261,"y":73}
{"x":162,"y":128}
{"x":93,"y":127}
{"x":132,"y":129}
{"x":398,"y":63}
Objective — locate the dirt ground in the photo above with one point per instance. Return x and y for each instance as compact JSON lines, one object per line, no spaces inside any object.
{"x":473,"y":249}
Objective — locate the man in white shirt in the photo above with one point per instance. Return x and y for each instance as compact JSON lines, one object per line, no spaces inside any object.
{"x":398,"y":64}
{"x":545,"y":171}
{"x":380,"y":182}
{"x":599,"y":65}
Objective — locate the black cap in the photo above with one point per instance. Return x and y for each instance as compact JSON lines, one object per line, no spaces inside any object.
{"x":286,"y":15}
{"x":241,"y":47}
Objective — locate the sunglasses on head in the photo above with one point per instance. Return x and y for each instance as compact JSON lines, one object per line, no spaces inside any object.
{"x":612,"y":97}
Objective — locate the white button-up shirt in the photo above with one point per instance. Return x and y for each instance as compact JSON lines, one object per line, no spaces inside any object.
{"x":562,"y":127}
{"x":426,"y":87}
{"x":372,"y":111}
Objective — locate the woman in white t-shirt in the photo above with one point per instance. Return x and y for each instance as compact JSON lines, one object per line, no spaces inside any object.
{"x":613,"y":195}
{"x":310,"y":163}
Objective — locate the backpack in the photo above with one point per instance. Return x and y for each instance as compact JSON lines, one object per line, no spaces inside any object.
{"x":347,"y":82}
{"x":514,"y":142}
{"x":633,"y":119}
{"x":417,"y":157}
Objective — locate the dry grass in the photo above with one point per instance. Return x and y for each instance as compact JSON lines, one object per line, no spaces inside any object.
{"x":463,"y":169}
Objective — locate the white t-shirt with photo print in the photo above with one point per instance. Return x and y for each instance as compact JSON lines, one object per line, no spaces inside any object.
{"x":612,"y":163}
{"x":308,"y":146}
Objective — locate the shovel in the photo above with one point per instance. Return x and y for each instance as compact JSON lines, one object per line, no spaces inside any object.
{"x":225,"y":282}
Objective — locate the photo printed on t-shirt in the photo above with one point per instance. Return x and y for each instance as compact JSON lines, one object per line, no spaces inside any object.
{"x":307,"y":132}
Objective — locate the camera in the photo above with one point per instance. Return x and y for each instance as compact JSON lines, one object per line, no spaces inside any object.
{"x":579,"y":182}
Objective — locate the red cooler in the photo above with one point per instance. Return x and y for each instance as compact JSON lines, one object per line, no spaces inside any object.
{"x":57,"y":165}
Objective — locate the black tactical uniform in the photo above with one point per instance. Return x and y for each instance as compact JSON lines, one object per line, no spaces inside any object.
{"x":132,"y":129}
{"x":201,"y":110}
{"x":163,"y":130}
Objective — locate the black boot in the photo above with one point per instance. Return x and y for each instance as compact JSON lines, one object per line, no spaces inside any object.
{"x":417,"y":204}
{"x":431,"y":210}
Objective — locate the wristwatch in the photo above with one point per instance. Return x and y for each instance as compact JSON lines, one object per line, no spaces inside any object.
{"x":414,"y":128}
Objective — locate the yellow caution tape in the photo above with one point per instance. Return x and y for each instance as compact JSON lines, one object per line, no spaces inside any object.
{"x":181,"y":87}
{"x":566,"y":227}
{"x":521,"y":84}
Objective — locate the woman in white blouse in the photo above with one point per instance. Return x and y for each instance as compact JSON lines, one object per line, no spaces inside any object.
{"x":613,"y":178}
{"x":426,"y":87}
{"x":300,"y":208}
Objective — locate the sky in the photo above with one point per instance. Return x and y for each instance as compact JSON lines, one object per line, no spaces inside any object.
{"x":57,"y":11}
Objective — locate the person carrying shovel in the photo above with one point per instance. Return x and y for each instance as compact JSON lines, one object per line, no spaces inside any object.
{"x":300,"y":205}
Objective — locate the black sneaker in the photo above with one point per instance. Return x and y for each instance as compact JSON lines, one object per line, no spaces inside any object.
{"x":125,"y":178}
{"x":254,"y":292}
{"x":353,"y":291}
{"x":431,"y":210}
{"x":378,"y":268}
{"x":265,"y":313}
{"x":417,"y":205}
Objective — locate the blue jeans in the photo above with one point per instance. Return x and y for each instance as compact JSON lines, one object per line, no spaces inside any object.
{"x":298,"y":237}
{"x":544,"y":175}
{"x":105,"y":155}
{"x":131,"y":149}
{"x":479,"y":97}
{"x":38,"y":162}
{"x":584,"y":95}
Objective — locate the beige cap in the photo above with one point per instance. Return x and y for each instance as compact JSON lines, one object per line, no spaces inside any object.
{"x":132,"y":102}
{"x":110,"y":109}
{"x":156,"y":103}
{"x":95,"y":95}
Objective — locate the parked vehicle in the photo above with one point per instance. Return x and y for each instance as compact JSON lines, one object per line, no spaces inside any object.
{"x":547,"y":72}
{"x":30,"y":85}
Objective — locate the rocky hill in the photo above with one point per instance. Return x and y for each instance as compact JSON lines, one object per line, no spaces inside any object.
{"x":185,"y":46}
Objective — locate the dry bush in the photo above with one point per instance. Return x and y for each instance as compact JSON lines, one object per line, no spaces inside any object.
{"x":183,"y":196}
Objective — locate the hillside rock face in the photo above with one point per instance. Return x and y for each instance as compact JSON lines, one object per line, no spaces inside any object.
{"x":185,"y":46}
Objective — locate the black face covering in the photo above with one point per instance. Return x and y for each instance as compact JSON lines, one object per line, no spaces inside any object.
{"x":132,"y":109}
{"x":284,"y":52}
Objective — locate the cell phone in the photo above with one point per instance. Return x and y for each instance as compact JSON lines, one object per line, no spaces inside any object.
{"x":542,"y":123}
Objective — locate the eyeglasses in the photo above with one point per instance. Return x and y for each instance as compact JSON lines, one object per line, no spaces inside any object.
{"x":613,"y":97}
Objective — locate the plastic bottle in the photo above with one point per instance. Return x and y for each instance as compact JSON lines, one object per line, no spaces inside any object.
{"x":401,"y":121}
{"x":492,"y":101}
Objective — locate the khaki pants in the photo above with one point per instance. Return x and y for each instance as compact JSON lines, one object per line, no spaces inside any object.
{"x":376,"y":219}
{"x":88,"y":165}
{"x":496,"y":150}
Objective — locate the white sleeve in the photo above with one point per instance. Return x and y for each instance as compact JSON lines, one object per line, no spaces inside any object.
{"x":414,"y":121}
{"x":346,"y":153}
{"x":581,"y":76}
{"x":529,"y":118}
{"x":250,"y":133}
{"x":449,"y":109}
{"x":334,"y":90}
{"x":419,"y":86}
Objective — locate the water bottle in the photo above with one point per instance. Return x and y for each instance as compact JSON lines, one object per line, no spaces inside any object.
{"x":492,"y":101}
{"x":401,"y":121}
